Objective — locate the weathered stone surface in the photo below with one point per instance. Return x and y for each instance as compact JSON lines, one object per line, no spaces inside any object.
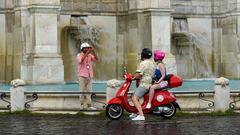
{"x":2,"y":4}
{"x":222,"y":94}
{"x":17,"y":98}
{"x":45,"y":2}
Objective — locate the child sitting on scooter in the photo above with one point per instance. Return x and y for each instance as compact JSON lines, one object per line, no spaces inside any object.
{"x":160,"y":74}
{"x":144,"y":73}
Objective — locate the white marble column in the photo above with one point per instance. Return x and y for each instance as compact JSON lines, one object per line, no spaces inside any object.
{"x":42,"y":62}
{"x":160,"y":12}
{"x":3,"y":47}
{"x":149,"y":25}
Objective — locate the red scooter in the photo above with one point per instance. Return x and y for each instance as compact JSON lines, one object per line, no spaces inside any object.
{"x":163,"y":103}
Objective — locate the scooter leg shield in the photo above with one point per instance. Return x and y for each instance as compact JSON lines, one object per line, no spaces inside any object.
{"x":176,"y":105}
{"x":115,"y":101}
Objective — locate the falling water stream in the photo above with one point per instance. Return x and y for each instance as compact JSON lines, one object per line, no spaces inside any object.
{"x":194,"y":49}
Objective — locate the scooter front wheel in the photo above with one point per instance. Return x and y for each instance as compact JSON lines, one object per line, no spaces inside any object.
{"x":114,"y":111}
{"x":170,"y":112}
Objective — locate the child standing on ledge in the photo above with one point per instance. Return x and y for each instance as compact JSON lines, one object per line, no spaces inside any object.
{"x":85,"y":73}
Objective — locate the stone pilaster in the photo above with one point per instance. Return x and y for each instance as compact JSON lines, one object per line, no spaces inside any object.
{"x":147,"y":25}
{"x":3,"y":47}
{"x":42,"y":62}
{"x":159,"y":12}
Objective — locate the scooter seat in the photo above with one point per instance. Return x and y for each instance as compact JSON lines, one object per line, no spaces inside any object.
{"x":164,"y":88}
{"x":161,"y":89}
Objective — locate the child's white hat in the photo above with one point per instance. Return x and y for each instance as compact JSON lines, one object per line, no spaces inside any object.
{"x":85,"y":44}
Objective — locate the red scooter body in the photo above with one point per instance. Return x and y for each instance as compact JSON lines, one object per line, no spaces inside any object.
{"x":161,"y":98}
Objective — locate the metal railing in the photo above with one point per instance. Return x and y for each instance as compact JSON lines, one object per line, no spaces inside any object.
{"x":33,"y":96}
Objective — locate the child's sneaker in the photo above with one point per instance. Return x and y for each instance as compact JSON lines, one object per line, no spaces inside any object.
{"x":139,"y":117}
{"x":148,"y":106}
{"x":133,"y":115}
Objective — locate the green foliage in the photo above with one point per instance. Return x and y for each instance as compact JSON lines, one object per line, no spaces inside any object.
{"x":24,"y":112}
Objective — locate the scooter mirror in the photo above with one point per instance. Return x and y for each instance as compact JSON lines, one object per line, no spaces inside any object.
{"x":125,"y":76}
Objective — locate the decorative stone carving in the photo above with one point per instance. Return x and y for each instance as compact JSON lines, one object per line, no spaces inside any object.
{"x":222,"y":81}
{"x":17,"y":82}
{"x":83,"y":31}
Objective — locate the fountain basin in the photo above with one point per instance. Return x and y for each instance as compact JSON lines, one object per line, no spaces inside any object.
{"x":66,"y":96}
{"x":188,"y":85}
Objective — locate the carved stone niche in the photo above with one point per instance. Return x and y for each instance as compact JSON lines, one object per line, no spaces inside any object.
{"x":82,"y":31}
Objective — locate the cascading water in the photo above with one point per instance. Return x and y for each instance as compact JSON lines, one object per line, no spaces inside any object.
{"x":193,"y":51}
{"x":199,"y":51}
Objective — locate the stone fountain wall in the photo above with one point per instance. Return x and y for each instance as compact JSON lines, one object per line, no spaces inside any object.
{"x":36,"y":46}
{"x":125,"y":28}
{"x":29,"y":41}
{"x":226,"y":39}
{"x":106,"y":47}
{"x":218,"y":20}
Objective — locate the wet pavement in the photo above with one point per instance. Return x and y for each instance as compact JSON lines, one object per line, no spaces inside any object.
{"x":99,"y":125}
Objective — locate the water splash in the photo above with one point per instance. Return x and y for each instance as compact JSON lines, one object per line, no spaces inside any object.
{"x":195,"y":48}
{"x":199,"y":51}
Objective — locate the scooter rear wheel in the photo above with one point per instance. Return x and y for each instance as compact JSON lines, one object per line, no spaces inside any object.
{"x":114,"y":111}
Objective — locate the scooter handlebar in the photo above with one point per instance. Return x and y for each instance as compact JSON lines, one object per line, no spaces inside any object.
{"x":128,"y":76}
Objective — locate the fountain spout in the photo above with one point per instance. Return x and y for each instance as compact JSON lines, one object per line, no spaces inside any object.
{"x":193,"y":52}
